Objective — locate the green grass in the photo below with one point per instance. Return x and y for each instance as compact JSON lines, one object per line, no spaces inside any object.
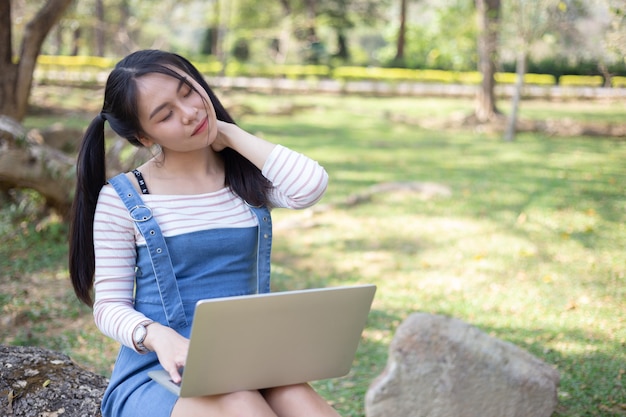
{"x":529,"y":245}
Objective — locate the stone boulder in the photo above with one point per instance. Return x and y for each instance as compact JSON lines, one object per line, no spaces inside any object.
{"x":36,"y":382}
{"x":442,"y":367}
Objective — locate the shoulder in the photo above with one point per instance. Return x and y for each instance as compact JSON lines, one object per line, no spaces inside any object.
{"x":110,"y":207}
{"x":133,"y":177}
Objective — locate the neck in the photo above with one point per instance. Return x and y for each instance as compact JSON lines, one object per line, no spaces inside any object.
{"x":196,"y":172}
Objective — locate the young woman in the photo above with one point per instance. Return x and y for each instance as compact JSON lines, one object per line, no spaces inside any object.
{"x":191,"y":223}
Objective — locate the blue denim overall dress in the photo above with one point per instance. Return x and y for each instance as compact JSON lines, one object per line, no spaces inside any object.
{"x":173,"y":273}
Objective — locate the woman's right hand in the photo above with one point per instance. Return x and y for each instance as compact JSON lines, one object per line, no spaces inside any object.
{"x":170,"y":347}
{"x":253,"y":148}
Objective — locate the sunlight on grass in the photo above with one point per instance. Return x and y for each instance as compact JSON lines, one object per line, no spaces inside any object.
{"x":527,"y":246}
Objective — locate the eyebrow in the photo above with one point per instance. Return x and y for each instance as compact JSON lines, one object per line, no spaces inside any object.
{"x":162,"y":106}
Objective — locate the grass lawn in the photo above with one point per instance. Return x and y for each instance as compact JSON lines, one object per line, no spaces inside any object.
{"x":528,"y":245}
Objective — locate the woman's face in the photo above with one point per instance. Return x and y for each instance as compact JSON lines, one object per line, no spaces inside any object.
{"x":174,"y":115}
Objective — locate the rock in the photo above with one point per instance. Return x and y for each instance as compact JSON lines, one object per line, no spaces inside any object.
{"x":36,"y":382}
{"x":442,"y":367}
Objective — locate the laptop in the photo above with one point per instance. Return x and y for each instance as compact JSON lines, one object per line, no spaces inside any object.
{"x":268,"y":340}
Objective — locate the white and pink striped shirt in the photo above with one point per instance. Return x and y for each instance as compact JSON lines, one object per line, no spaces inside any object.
{"x":298,"y":182}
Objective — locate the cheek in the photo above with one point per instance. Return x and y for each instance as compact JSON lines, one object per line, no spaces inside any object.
{"x":212,"y":118}
{"x":213,"y":128}
{"x":210,"y":109}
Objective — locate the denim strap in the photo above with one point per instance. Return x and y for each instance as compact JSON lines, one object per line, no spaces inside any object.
{"x":264,"y":248}
{"x":157,"y":247}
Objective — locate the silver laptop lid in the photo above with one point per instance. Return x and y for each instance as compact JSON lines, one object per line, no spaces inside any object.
{"x":267,"y":340}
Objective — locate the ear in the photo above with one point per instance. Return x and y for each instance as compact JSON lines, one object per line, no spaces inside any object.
{"x":144,"y":140}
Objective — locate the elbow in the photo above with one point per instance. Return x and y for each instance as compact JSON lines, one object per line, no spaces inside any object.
{"x":317,"y":191}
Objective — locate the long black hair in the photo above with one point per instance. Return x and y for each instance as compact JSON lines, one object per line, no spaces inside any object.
{"x":121,"y":111}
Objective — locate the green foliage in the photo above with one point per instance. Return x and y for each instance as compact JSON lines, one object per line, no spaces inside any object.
{"x":241,"y":50}
{"x":393,"y":74}
{"x":88,"y":70}
{"x":80,"y":62}
{"x":581,"y":80}
{"x":251,"y":15}
{"x":532,"y":79}
{"x":209,"y":66}
{"x":558,"y":66}
{"x":618,"y":82}
{"x":442,"y":38}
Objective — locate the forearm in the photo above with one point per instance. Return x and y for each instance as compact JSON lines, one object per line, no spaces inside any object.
{"x":117,"y":320}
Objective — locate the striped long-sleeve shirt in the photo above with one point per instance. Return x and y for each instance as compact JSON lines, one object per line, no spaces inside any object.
{"x":298,"y":182}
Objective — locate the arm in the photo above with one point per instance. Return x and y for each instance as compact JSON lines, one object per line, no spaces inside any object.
{"x":114,"y":313}
{"x":298,"y":181}
{"x":114,"y":247}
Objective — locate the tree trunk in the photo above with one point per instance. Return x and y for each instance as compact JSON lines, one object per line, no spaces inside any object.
{"x":286,"y":7}
{"x":100,"y":27}
{"x":124,"y":34}
{"x":58,"y":40}
{"x":343,"y":52}
{"x":6,"y":52}
{"x":401,"y":33}
{"x":16,"y":80}
{"x":311,"y":14}
{"x":511,"y":127}
{"x":7,"y":68}
{"x":488,"y":25}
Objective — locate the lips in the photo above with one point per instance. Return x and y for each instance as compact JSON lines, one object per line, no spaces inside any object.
{"x":201,"y":127}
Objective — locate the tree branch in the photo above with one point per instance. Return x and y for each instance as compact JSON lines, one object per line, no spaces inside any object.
{"x":30,"y":164}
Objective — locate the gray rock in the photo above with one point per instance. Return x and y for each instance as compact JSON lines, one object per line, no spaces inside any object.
{"x":442,"y":367}
{"x":36,"y":382}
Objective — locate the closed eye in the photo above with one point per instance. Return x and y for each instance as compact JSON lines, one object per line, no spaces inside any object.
{"x":169,"y":114}
{"x":186,"y":94}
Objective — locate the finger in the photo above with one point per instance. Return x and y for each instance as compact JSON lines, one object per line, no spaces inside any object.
{"x":176,"y":373}
{"x":175,"y":376}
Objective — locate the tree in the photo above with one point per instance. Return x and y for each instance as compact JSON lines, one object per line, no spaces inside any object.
{"x":24,"y":162}
{"x":528,"y":22}
{"x":605,"y":35}
{"x":344,"y":15}
{"x":437,"y":35}
{"x":488,"y":26}
{"x":401,"y":32}
{"x":100,"y":28}
{"x":289,"y":26}
{"x":17,"y":75}
{"x":616,"y":28}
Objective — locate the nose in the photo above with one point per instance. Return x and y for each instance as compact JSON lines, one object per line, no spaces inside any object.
{"x":189,"y":114}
